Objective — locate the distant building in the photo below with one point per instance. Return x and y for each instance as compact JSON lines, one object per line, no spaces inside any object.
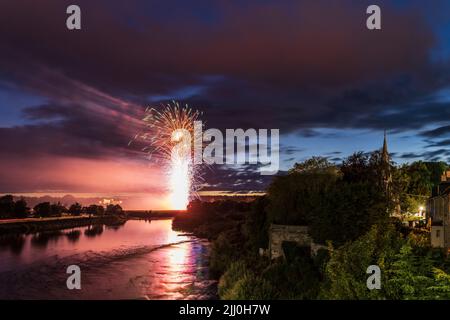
{"x":438,"y":209}
{"x":106,"y":202}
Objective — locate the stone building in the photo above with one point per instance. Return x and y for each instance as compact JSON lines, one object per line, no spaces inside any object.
{"x":438,"y":210}
{"x":278,"y":234}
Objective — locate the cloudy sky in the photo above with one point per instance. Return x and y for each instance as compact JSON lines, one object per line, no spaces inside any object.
{"x":71,"y":100}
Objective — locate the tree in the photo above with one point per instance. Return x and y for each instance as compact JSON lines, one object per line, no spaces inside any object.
{"x":20,"y":209}
{"x":412,"y":184}
{"x":45,"y":209}
{"x":436,"y":169}
{"x":315,"y":165}
{"x":42,"y":209}
{"x":95,"y":210}
{"x":6,"y":206}
{"x":57,"y":209}
{"x":256,"y":227}
{"x":363,"y":167}
{"x":293,"y":197}
{"x":75,"y":209}
{"x":347,"y":211}
{"x":345,"y":273}
{"x":113,"y":209}
{"x":413,"y":275}
{"x":336,"y":207}
{"x":408,"y":270}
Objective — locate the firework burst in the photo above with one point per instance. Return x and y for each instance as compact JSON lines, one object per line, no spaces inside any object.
{"x":167,"y":137}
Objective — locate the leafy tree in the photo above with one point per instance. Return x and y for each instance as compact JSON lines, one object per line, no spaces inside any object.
{"x":45,"y":209}
{"x":6,"y":206}
{"x":408,"y":271}
{"x":413,"y":184}
{"x":292,"y":198}
{"x":75,"y":209}
{"x":363,"y":167}
{"x":315,"y":165}
{"x":356,"y":168}
{"x":413,"y":275}
{"x":256,"y":227}
{"x":404,"y":280}
{"x":347,"y":211}
{"x":436,"y":169}
{"x":337,"y":207}
{"x":57,"y":209}
{"x":20,"y":209}
{"x":113,"y":209}
{"x":251,"y":287}
{"x":42,"y":209}
{"x":345,"y":273}
{"x":95,"y":210}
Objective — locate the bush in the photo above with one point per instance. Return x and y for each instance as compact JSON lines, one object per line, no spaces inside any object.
{"x":250,"y":287}
{"x":298,"y":279}
{"x":227,"y":248}
{"x":345,"y":275}
{"x":235,"y":272}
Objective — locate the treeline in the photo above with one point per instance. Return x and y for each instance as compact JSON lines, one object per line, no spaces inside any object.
{"x":10,"y":209}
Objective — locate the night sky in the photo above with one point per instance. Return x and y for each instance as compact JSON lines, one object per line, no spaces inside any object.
{"x":70,"y":101}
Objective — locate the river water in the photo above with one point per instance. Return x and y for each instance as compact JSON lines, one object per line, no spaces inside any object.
{"x":137,"y":260}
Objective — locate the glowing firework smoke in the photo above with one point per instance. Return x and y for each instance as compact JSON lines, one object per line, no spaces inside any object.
{"x":168,"y":137}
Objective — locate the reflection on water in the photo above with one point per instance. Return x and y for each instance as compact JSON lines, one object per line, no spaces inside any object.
{"x":93,"y":231}
{"x":73,"y":235}
{"x":13,"y":242}
{"x":140,"y":259}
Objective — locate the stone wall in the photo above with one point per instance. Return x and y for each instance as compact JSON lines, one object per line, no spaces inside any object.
{"x":280,"y":233}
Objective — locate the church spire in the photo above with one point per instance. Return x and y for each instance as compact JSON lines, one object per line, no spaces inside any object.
{"x":386,"y":175}
{"x":385,"y":153}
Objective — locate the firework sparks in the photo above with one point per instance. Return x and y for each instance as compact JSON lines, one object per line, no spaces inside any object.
{"x":168,"y":141}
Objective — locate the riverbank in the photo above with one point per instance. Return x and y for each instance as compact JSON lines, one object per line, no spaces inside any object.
{"x":30,"y":225}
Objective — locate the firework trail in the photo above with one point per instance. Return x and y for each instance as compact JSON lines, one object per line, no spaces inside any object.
{"x":168,"y":138}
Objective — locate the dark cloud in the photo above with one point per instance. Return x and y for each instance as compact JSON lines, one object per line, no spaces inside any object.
{"x":290,"y":150}
{"x":441,"y":143}
{"x":294,"y":65}
{"x":441,"y":131}
{"x":434,"y":155}
{"x":68,"y":130}
{"x":289,"y":65}
{"x":244,"y":178}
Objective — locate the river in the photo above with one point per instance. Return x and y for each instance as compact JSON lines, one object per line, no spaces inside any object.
{"x":138,"y":260}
